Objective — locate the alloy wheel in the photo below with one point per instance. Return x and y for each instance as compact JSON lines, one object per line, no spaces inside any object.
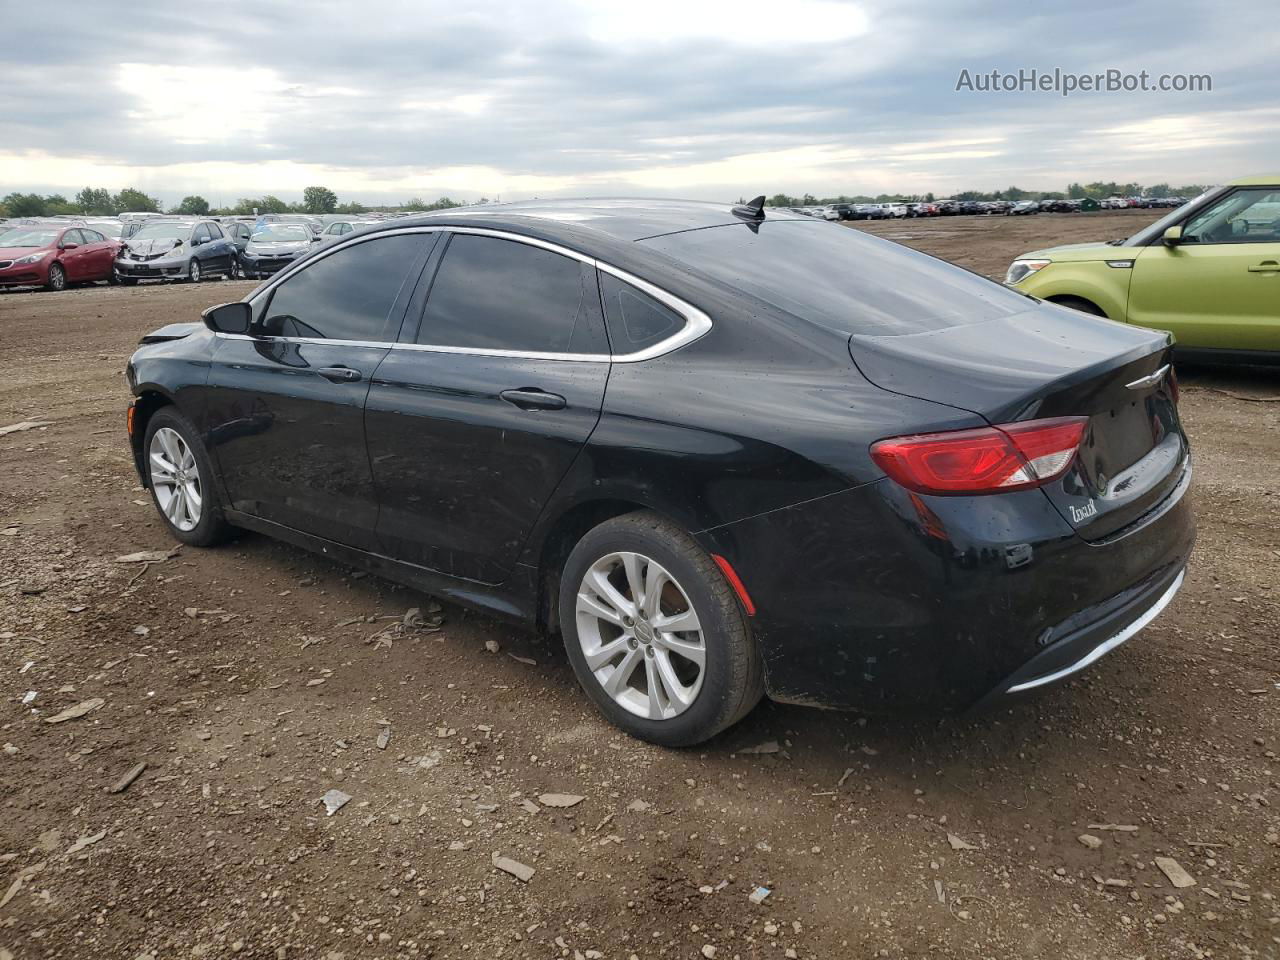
{"x":57,"y":278}
{"x":640,"y":636}
{"x":175,"y":479}
{"x":195,"y":271}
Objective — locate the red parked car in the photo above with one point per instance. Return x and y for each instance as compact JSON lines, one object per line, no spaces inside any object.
{"x":52,"y":256}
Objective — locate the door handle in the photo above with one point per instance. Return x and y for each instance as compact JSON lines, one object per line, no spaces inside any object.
{"x":530,"y":398}
{"x":1266,"y":266}
{"x":340,"y":374}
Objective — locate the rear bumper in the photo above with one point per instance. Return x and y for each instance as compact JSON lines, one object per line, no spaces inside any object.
{"x":879,"y":600}
{"x":1130,"y":612}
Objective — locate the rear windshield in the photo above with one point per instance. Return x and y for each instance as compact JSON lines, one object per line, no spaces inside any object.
{"x":841,"y":278}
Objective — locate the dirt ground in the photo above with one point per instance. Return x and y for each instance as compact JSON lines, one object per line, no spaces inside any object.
{"x":253,"y":678}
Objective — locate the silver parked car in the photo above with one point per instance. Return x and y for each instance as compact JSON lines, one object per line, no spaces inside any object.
{"x":273,"y":246}
{"x":176,"y":249}
{"x":339,"y":228}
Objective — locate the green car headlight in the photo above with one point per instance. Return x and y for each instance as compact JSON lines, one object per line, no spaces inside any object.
{"x":1019,"y":270}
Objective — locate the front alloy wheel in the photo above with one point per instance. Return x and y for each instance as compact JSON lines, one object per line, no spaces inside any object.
{"x":194,"y":270}
{"x":640,"y":636}
{"x":57,"y":277}
{"x":175,"y":479}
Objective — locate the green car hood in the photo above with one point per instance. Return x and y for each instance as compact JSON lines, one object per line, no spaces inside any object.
{"x":1079,"y":253}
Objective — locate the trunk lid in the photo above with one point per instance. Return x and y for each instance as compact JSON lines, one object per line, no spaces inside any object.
{"x":1053,"y":362}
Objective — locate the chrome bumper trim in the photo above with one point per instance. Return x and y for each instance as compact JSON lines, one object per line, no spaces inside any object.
{"x":1107,"y":645}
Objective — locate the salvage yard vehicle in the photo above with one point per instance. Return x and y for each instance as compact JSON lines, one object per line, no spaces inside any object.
{"x":176,"y":250}
{"x":1209,"y":273}
{"x":53,"y":256}
{"x":238,"y":232}
{"x":274,"y":246}
{"x":723,"y":453}
{"x":340,"y":228}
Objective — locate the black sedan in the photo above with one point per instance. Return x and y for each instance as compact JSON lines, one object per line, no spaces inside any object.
{"x":722,"y":453}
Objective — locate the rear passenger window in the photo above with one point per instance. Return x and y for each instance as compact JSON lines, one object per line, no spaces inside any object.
{"x":492,"y":294}
{"x":636,"y":320}
{"x":347,"y":295}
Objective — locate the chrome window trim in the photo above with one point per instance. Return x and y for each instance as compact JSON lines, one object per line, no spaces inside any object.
{"x":696,"y":325}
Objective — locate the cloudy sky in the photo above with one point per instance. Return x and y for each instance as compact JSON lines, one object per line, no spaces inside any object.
{"x":385,"y":99}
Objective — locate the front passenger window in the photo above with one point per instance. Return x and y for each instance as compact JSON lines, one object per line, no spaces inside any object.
{"x":347,"y":295}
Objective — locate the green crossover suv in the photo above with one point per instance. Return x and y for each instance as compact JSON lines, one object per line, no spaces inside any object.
{"x":1209,"y":272}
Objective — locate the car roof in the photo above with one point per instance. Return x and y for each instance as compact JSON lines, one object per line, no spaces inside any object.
{"x":1259,"y":181}
{"x":616,"y":218}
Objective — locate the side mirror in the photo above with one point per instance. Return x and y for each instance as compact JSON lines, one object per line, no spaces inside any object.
{"x":228,"y":318}
{"x":1172,"y":237}
{"x":315,"y":238}
{"x":69,"y":245}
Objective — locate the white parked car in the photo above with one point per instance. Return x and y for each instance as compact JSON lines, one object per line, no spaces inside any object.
{"x":894,"y":209}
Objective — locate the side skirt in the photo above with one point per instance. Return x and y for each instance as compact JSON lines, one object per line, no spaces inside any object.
{"x":1215,"y":355}
{"x":501,"y":600}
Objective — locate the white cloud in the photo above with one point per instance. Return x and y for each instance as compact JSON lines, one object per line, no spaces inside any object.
{"x":710,"y":98}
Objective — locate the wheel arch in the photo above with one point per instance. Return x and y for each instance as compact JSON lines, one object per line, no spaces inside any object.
{"x":149,"y":398}
{"x":1071,"y":300}
{"x":562,"y":534}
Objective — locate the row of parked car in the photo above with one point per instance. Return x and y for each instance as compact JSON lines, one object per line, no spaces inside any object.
{"x":950,"y":208}
{"x":53,"y":252}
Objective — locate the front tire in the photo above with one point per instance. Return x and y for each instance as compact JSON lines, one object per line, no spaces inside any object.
{"x":57,"y":281}
{"x":180,"y":476}
{"x":1079,"y":303}
{"x":194,"y":273}
{"x":655,"y":634}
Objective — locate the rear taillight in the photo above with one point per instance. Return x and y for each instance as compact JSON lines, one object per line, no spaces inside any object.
{"x":1012,"y":456}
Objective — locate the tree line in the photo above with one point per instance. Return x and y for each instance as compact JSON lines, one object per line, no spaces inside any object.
{"x":1075,"y":191}
{"x":96,"y":201}
{"x":99,"y":202}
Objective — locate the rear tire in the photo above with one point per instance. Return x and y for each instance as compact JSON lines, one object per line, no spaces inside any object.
{"x":182,"y":481}
{"x":689,"y":702}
